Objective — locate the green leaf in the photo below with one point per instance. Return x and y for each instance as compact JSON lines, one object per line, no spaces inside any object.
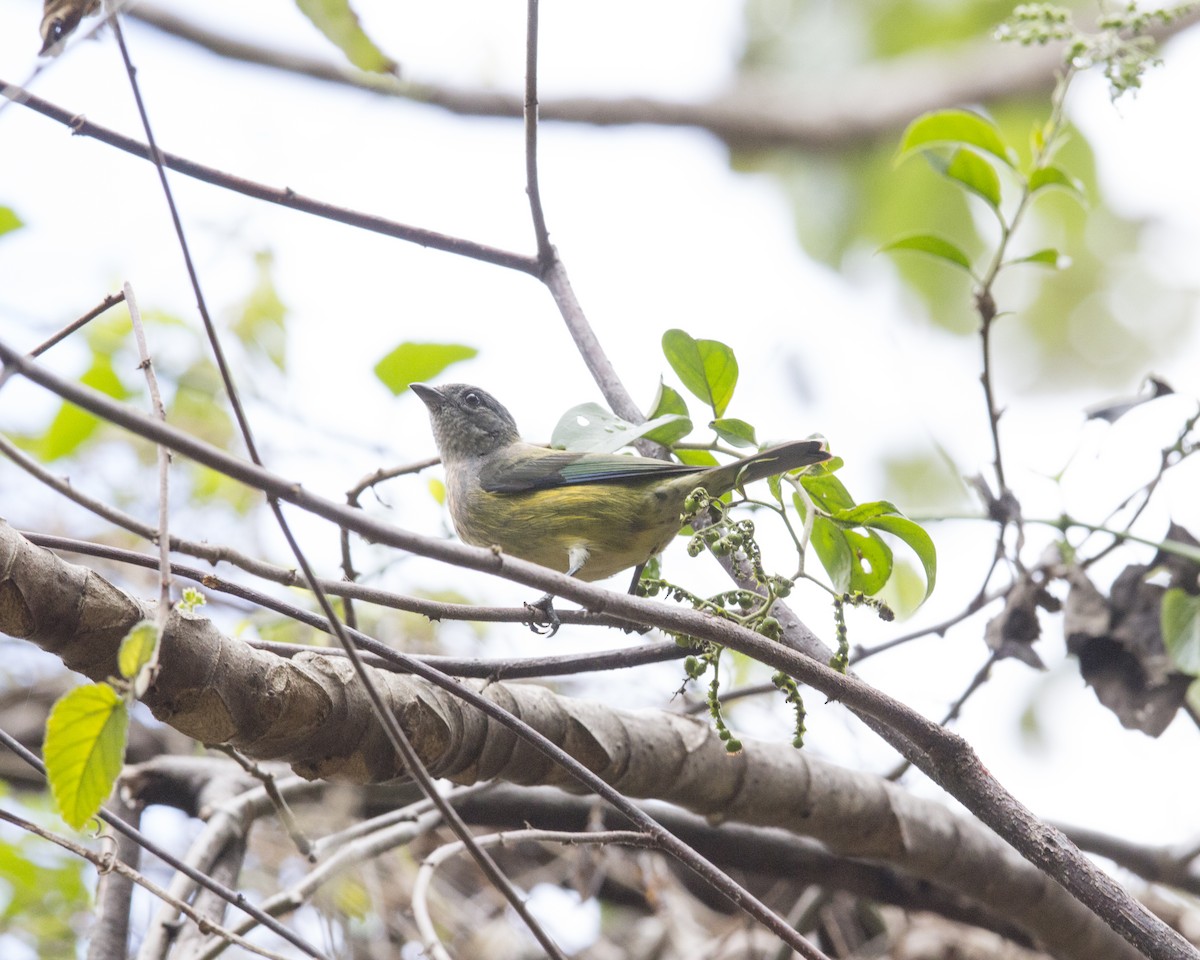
{"x":707,"y":368}
{"x":591,"y":428}
{"x":934,"y":246}
{"x":973,"y":172}
{"x":341,"y":26}
{"x":834,"y":552}
{"x":9,"y":221}
{"x":416,"y":362}
{"x":827,"y":491}
{"x":917,"y":539}
{"x":697,"y":458}
{"x":871,"y":561}
{"x":1044,"y":178}
{"x":137,"y":650}
{"x":859,"y":515}
{"x":737,"y":432}
{"x":1181,"y":629}
{"x":71,"y":425}
{"x":955,"y":128}
{"x":1048,"y":257}
{"x":84,"y":749}
{"x":260,"y":325}
{"x":668,"y":402}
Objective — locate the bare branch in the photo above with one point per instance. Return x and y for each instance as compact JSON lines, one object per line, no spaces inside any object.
{"x":869,"y":102}
{"x":212,"y":687}
{"x":284,"y":197}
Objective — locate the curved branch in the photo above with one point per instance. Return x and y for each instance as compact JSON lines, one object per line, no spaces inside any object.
{"x":943,"y":755}
{"x":284,"y":197}
{"x":309,"y":713}
{"x":869,"y":102}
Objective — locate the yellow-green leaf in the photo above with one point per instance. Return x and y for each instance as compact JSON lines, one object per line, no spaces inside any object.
{"x":341,"y":26}
{"x":955,"y":128}
{"x":137,"y":649}
{"x":417,"y":362}
{"x":84,"y":749}
{"x":261,"y":324}
{"x":1049,"y":257}
{"x":1044,"y":178}
{"x":1181,"y":629}
{"x":9,"y":220}
{"x":976,"y":174}
{"x":917,"y":539}
{"x":934,"y":246}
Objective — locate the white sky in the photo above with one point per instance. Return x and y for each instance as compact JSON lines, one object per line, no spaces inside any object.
{"x":656,"y":232}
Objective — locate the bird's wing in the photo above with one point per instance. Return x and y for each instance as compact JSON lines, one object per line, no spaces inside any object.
{"x":561,"y":468}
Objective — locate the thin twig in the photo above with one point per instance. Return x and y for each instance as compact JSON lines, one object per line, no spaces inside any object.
{"x":426,"y":608}
{"x":421,"y":883}
{"x":395,"y":733}
{"x":267,"y":779}
{"x":110,"y":300}
{"x":944,"y":756}
{"x":284,"y":197}
{"x":352,"y":495}
{"x":230,"y":896}
{"x":939,"y":629}
{"x":106,"y":862}
{"x":163,"y":533}
{"x":545,"y":251}
{"x":977,"y":681}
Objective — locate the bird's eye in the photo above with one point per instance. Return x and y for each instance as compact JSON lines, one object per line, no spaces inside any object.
{"x":472,"y":399}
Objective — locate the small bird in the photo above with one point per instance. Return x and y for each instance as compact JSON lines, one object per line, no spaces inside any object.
{"x":589,"y":515}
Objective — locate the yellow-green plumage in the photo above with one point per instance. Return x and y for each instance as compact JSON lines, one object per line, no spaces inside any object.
{"x":617,"y":526}
{"x":590,"y":515}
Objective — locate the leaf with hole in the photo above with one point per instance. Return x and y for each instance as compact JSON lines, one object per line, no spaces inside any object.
{"x":591,"y":428}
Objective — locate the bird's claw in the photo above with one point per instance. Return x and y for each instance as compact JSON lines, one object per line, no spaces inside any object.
{"x":549,"y":616}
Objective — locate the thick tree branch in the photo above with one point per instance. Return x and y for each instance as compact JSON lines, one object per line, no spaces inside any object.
{"x":944,"y":756}
{"x":309,"y":713}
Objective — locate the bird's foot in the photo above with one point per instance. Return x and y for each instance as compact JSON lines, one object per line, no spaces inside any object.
{"x":548,"y":621}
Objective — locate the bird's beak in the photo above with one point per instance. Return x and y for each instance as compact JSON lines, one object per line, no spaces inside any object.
{"x":430,"y":396}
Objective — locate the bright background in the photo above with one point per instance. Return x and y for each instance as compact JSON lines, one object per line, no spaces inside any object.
{"x":657,"y":231}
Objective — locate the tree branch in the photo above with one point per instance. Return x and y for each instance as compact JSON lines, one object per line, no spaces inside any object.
{"x":943,"y":755}
{"x":284,"y":197}
{"x":309,"y":713}
{"x":868,"y":102}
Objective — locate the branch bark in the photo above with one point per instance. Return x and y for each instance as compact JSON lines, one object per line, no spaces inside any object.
{"x":309,"y":712}
{"x":944,"y":756}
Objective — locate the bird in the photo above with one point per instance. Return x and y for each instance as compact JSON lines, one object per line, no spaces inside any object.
{"x":589,"y":515}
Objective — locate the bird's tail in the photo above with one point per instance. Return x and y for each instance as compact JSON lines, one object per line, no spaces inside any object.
{"x":773,"y":461}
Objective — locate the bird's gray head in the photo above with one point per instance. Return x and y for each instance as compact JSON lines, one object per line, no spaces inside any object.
{"x":467,"y":421}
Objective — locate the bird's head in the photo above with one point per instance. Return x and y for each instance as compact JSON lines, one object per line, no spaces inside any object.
{"x":467,"y":421}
